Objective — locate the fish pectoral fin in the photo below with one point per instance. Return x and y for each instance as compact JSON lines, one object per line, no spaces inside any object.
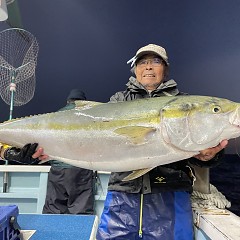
{"x":85,"y":104}
{"x":136,"y":134}
{"x":136,"y":174}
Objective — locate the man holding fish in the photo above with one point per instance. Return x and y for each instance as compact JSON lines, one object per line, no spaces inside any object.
{"x":155,"y":205}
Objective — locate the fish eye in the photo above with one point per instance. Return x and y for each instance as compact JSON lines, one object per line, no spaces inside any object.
{"x":216,"y":109}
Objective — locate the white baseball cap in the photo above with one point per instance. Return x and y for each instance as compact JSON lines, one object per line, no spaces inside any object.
{"x":150,"y":48}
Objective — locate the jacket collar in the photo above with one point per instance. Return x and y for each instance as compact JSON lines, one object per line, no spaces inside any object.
{"x":134,"y":86}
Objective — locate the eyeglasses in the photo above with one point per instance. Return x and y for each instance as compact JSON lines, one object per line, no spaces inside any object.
{"x":154,"y":62}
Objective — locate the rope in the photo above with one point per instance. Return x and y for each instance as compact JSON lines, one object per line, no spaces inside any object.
{"x":214,"y":199}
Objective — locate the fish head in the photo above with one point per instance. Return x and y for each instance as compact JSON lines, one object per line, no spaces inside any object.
{"x":194,"y":123}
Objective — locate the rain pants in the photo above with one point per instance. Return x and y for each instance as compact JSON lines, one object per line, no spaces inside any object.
{"x":159,"y":216}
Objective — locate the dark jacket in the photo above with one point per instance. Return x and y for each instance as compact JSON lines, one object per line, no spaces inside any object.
{"x":176,"y":176}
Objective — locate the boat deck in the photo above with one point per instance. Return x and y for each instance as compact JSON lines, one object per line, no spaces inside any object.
{"x":27,"y":187}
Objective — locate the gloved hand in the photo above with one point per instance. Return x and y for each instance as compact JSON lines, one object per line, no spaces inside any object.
{"x":22,"y":155}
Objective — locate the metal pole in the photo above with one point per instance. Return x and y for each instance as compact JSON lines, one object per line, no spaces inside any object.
{"x":12,"y":90}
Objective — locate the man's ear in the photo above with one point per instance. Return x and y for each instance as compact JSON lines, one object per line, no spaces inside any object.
{"x":133,"y":71}
{"x":166,"y":72}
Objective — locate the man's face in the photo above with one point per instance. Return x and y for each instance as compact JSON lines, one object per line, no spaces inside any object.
{"x":150,"y":71}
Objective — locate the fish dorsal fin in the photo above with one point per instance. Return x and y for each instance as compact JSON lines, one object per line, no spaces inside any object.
{"x":136,"y":134}
{"x":136,"y":174}
{"x":85,"y":104}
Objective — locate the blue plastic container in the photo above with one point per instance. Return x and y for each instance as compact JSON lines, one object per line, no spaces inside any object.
{"x":8,"y":223}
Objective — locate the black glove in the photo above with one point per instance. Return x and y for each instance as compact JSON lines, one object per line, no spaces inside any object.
{"x":22,"y":155}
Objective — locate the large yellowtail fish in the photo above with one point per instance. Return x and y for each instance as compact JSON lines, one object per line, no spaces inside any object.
{"x":124,"y":136}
